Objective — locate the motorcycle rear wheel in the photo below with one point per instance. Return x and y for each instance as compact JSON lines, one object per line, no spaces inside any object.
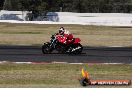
{"x":80,"y":49}
{"x":76,"y":49}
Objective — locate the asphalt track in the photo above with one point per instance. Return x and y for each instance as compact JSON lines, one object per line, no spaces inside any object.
{"x":89,"y":55}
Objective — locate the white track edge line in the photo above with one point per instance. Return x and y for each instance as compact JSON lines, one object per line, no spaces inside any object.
{"x":1,"y":62}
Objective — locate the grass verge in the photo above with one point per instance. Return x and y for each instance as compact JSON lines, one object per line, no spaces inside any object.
{"x":58,"y":75}
{"x":36,"y":34}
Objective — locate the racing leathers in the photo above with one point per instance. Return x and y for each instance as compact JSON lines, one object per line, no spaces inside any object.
{"x":65,"y":38}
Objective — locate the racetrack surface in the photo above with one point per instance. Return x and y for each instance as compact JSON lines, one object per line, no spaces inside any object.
{"x":89,"y":55}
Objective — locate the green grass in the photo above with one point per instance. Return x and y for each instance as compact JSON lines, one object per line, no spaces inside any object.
{"x":36,"y":34}
{"x":58,"y":75}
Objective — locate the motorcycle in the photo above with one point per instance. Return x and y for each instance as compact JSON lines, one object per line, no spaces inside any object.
{"x":73,"y":48}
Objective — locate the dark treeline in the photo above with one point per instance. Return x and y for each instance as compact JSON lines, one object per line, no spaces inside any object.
{"x":1,"y":4}
{"x":82,"y":6}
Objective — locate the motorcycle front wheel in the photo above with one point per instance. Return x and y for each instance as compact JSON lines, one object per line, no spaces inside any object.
{"x":46,"y":49}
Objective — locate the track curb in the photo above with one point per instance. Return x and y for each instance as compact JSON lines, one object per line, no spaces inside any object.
{"x":2,"y":62}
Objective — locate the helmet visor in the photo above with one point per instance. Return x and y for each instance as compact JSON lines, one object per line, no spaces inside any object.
{"x":60,"y":31}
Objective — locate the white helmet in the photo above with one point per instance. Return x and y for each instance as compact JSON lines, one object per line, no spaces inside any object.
{"x":61,"y":30}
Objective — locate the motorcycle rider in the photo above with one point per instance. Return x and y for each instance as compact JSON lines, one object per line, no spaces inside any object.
{"x":66,"y":36}
{"x":64,"y":42}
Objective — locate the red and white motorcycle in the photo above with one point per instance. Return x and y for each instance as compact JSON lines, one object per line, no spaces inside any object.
{"x":74,"y":47}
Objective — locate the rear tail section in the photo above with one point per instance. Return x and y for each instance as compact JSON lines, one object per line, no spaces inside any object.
{"x":77,"y":40}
